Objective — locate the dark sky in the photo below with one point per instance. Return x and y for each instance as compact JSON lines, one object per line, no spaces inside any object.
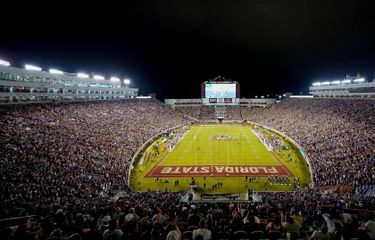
{"x":170,"y":47}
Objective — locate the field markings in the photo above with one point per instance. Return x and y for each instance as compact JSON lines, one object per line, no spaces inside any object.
{"x":260,"y":151}
{"x":235,"y":154}
{"x":217,"y":171}
{"x":165,"y":156}
{"x":250,"y":149}
{"x":248,"y":140}
{"x":157,"y":164}
{"x":227,"y":145}
{"x":290,"y":174}
{"x":210,"y":146}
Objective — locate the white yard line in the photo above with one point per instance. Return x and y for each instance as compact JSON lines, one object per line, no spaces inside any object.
{"x":248,"y":141}
{"x":210,"y":145}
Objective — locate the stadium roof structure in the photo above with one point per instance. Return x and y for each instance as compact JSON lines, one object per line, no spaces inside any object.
{"x":52,"y":73}
{"x":32,"y":84}
{"x":348,"y":87}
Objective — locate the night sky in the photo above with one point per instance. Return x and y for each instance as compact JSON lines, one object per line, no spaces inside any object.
{"x":170,"y":47}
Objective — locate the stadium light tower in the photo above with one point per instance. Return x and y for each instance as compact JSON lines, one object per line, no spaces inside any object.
{"x":32,"y":68}
{"x":126,"y":82}
{"x":82,"y":75}
{"x":114,"y":79}
{"x":98,"y":77}
{"x":55,"y":71}
{"x":359,"y":80}
{"x":346,"y":81}
{"x":4,"y":63}
{"x":335,"y":82}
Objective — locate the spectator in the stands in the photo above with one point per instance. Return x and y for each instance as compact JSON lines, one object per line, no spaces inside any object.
{"x":174,"y":232}
{"x":202,"y":231}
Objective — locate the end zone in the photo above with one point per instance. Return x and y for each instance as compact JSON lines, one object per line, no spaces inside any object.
{"x":218,"y":171}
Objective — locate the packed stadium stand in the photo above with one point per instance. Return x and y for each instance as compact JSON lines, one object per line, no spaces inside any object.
{"x":191,"y":111}
{"x":60,"y":161}
{"x":337,"y":134}
{"x":234,"y":113}
{"x":207,"y":113}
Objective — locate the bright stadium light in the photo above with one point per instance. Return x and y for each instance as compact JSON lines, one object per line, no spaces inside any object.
{"x":346,"y":81}
{"x":316,"y":84}
{"x":98,"y":77}
{"x":126,"y":81}
{"x":32,"y":68}
{"x":114,"y":79}
{"x":55,"y":71}
{"x":335,"y":82}
{"x":4,"y":63}
{"x":359,"y":80}
{"x":325,"y":83}
{"x":82,"y":75}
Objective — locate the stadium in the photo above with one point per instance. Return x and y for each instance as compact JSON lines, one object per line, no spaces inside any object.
{"x":191,"y":124}
{"x":71,"y":152}
{"x":221,"y":149}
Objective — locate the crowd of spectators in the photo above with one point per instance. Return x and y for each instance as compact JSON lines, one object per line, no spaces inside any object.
{"x":306,"y":214}
{"x":338,"y":136}
{"x":70,"y":153}
{"x":59,"y":162}
{"x":333,"y":132}
{"x":190,"y":111}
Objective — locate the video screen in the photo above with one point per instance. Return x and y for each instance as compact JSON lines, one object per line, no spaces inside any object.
{"x":219,"y":90}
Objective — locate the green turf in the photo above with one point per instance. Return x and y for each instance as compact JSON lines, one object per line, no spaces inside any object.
{"x":199,"y":147}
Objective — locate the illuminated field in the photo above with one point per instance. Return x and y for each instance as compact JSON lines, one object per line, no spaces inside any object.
{"x":227,"y":153}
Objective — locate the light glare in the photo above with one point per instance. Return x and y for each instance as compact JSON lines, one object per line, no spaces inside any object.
{"x":359,"y":80}
{"x":55,"y":71}
{"x":346,"y":81}
{"x":98,"y":77}
{"x":115,"y":79}
{"x":4,"y":63}
{"x":32,"y":68}
{"x":82,"y":75}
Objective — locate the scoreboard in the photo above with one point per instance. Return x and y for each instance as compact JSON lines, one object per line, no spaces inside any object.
{"x":220,"y":90}
{"x":220,"y":93}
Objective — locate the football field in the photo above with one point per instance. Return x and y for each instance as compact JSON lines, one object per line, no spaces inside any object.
{"x":211,"y":153}
{"x":202,"y":146}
